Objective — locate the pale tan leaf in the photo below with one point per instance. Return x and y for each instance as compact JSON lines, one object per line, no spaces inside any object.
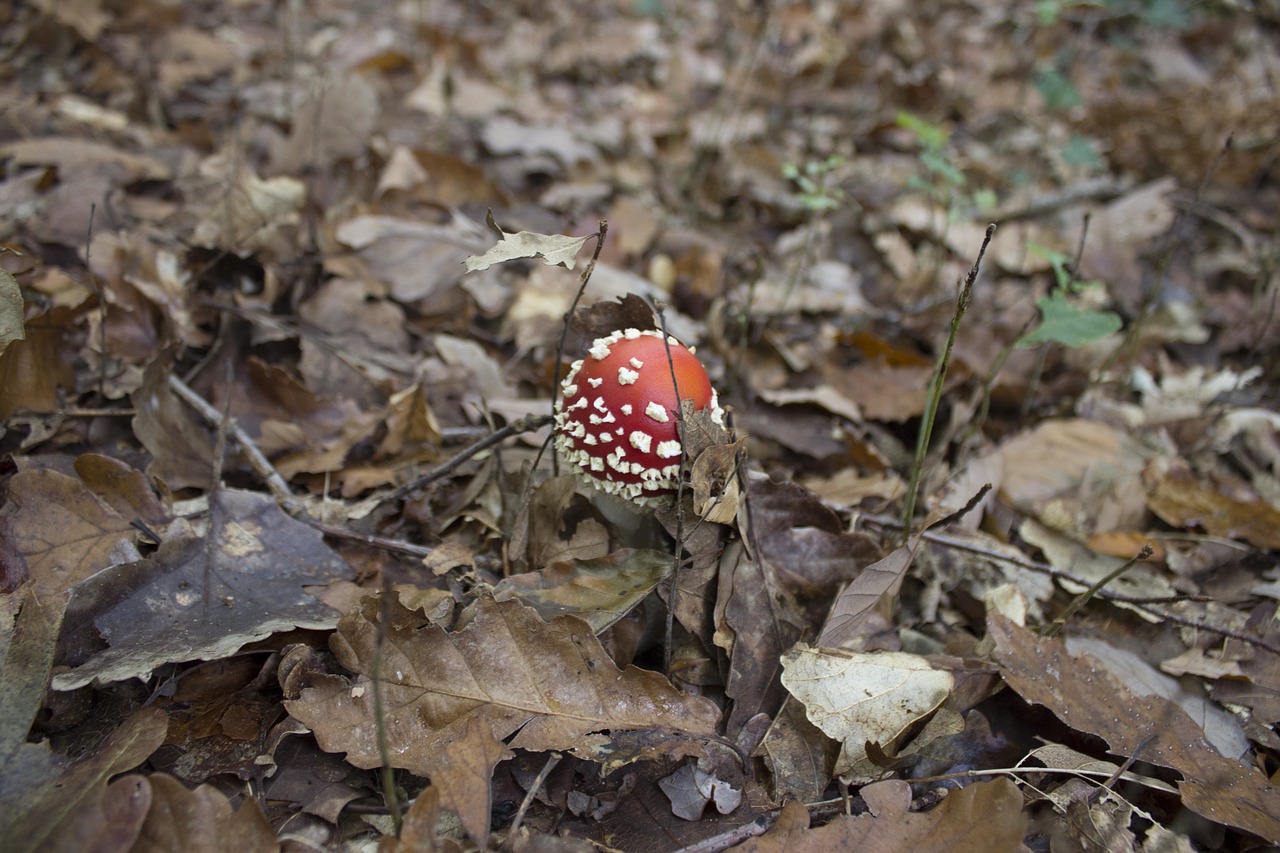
{"x":859,"y":697}
{"x":11,"y":317}
{"x":552,"y":248}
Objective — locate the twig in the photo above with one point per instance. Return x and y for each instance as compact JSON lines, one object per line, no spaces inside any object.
{"x":1056,"y":626}
{"x":583,"y":281}
{"x":528,"y":423}
{"x":935,"y":386}
{"x":552,"y":760}
{"x":369,"y":540}
{"x":257,"y":459}
{"x":1137,"y":602}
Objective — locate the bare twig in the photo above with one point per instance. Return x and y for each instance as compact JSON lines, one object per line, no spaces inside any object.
{"x":1146,"y":605}
{"x":528,"y":423}
{"x":257,"y":459}
{"x":1054,"y":627}
{"x":583,"y":281}
{"x":552,"y":760}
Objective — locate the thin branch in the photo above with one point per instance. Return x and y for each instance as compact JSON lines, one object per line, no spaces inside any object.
{"x":528,"y":423}
{"x":1137,"y":602}
{"x":257,"y":459}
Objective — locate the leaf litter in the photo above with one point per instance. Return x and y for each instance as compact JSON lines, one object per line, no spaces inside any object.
{"x":284,"y":559}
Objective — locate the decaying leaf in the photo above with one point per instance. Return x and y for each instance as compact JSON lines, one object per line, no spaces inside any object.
{"x":599,"y":591}
{"x":1088,"y":698}
{"x":552,"y":248}
{"x":979,"y":818}
{"x":11,"y":324}
{"x":856,"y":697}
{"x":202,"y":598}
{"x":551,"y":685}
{"x":47,"y":818}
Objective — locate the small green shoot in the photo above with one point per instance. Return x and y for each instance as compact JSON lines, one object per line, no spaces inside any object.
{"x":815,"y":195}
{"x":1062,"y":319}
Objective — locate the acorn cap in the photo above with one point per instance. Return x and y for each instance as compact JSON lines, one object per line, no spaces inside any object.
{"x":616,"y":420}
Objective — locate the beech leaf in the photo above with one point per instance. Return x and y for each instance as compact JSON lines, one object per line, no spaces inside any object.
{"x":857,"y":697}
{"x":551,"y":684}
{"x":552,"y":248}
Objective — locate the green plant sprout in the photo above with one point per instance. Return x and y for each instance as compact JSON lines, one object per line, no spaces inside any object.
{"x":815,"y":195}
{"x":1062,"y":319}
{"x":941,"y":179}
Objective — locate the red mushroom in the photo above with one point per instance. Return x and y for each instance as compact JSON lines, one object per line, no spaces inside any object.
{"x":616,"y":421}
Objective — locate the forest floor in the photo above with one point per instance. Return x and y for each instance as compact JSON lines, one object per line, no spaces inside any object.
{"x":288,"y":564}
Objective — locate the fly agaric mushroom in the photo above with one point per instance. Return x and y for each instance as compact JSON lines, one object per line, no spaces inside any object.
{"x":616,"y":420}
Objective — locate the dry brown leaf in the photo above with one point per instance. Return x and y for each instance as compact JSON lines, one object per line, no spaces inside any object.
{"x":1088,"y":698}
{"x":37,"y":371}
{"x":598,"y":591}
{"x":254,"y":565}
{"x":859,"y":599}
{"x":48,"y":819}
{"x":1183,"y":500}
{"x":884,"y":392}
{"x":414,"y":259}
{"x":201,"y":821}
{"x":801,"y":759}
{"x":552,"y":685}
{"x":1077,"y":476}
{"x":334,"y":121}
{"x":244,"y":213}
{"x":68,"y":528}
{"x":980,"y":818}
{"x":465,"y":774}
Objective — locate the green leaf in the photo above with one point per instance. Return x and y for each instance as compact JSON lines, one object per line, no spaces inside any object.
{"x":1056,"y":88}
{"x":1081,"y":151}
{"x":1068,"y":324}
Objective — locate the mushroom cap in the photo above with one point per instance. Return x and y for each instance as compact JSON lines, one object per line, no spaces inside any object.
{"x":616,"y":421}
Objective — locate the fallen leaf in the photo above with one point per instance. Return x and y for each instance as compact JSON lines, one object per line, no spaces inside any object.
{"x":203,"y":598}
{"x":1088,"y":698}
{"x":979,"y":818}
{"x":51,"y":812}
{"x":201,"y":821}
{"x":1181,"y":500}
{"x":552,"y":248}
{"x":11,"y":316}
{"x":598,"y":591}
{"x":856,"y":697}
{"x":416,"y":260}
{"x":552,"y":685}
{"x":68,"y":528}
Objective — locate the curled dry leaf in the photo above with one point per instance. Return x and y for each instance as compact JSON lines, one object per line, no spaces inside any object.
{"x":859,"y":697}
{"x":599,"y":591}
{"x":552,"y":685}
{"x":552,"y":248}
{"x":979,"y":818}
{"x":1087,"y":697}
